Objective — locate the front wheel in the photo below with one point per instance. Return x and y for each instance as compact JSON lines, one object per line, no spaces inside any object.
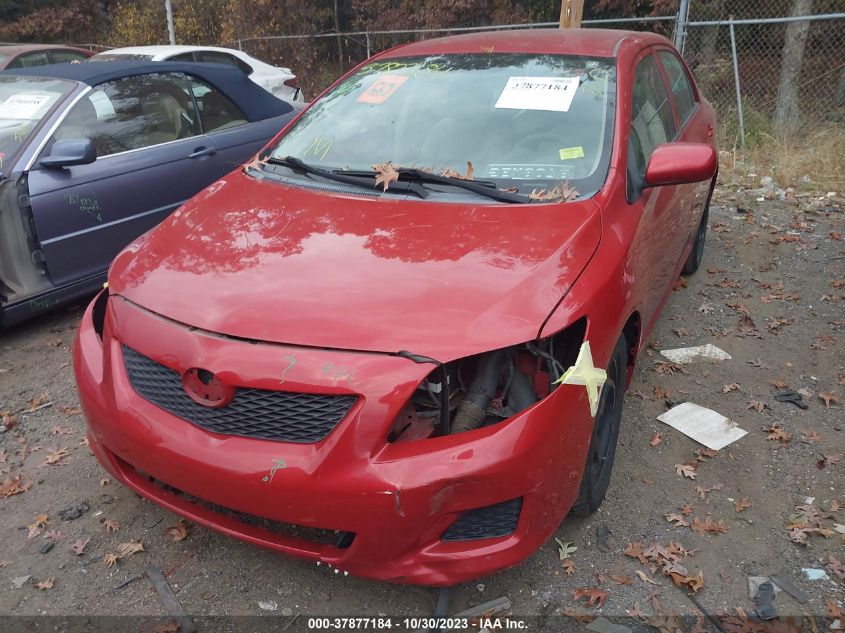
{"x":596,"y":478}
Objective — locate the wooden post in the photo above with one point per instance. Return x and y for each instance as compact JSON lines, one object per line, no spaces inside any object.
{"x":570,"y":14}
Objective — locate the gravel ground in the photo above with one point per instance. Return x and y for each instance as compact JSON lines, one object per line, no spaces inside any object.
{"x":770,"y":293}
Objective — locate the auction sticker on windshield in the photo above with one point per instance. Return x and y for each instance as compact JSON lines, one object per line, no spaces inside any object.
{"x":22,"y":106}
{"x":538,"y":93}
{"x":382,"y":88}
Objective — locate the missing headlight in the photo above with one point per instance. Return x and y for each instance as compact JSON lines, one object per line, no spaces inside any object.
{"x":487,"y":388}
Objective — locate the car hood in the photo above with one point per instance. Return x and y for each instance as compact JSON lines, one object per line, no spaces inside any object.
{"x":257,"y":259}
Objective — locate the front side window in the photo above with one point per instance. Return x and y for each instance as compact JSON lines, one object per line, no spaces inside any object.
{"x":24,"y":102}
{"x":652,"y":122}
{"x":678,"y":80}
{"x":522,"y":120}
{"x":133,"y":113}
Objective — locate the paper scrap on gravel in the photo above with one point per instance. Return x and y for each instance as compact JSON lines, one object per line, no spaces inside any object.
{"x":700,"y":354}
{"x":703,"y":425}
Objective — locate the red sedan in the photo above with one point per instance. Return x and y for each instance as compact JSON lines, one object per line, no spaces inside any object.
{"x":397,"y":341}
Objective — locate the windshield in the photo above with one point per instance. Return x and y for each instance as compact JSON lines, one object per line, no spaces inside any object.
{"x":118,"y":57}
{"x":24,"y":102}
{"x":522,"y":120}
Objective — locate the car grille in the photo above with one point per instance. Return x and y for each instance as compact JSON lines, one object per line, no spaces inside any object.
{"x":258,"y":413}
{"x":487,"y":522}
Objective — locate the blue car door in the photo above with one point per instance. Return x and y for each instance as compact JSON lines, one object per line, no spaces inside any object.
{"x":235,"y":138}
{"x":151,"y":157}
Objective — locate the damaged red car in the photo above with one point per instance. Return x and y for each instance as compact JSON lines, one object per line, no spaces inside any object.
{"x":397,"y":341}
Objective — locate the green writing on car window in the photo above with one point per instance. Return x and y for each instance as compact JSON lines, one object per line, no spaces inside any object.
{"x":319,"y":147}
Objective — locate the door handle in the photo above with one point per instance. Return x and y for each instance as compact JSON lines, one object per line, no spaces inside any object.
{"x":203,"y":151}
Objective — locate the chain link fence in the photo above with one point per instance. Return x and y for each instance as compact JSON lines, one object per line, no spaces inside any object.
{"x":768,"y":73}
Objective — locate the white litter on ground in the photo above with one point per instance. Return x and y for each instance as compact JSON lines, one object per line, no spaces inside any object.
{"x":815,"y":574}
{"x":270,"y":605}
{"x":700,"y":354}
{"x":703,"y":425}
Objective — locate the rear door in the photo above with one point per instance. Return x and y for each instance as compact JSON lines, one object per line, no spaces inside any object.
{"x":151,"y":157}
{"x":692,"y":128}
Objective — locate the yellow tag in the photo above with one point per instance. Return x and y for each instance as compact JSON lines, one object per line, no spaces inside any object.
{"x":572,"y":152}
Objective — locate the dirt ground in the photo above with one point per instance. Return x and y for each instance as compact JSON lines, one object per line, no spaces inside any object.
{"x":771,"y":293}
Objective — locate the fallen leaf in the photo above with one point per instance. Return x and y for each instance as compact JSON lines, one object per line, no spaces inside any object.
{"x":582,"y":618}
{"x":127,"y":549}
{"x":256,"y":162}
{"x":38,"y":401}
{"x":660,"y":393}
{"x":836,"y":567}
{"x":811,"y":436}
{"x":111,"y":559}
{"x":9,"y":420}
{"x":656,"y":439}
{"x":78,"y":546}
{"x":798,"y":535}
{"x":731,"y":387}
{"x":45,"y":584}
{"x":677,"y":519}
{"x":385,"y":174}
{"x":742,"y":504}
{"x":56,"y":455}
{"x":167,"y":627}
{"x":105,"y":481}
{"x":54,"y":535}
{"x":778,"y":384}
{"x":680,"y":282}
{"x":111,"y":525}
{"x":777,"y":434}
{"x":568,"y":566}
{"x":561,"y":191}
{"x":69,"y":411}
{"x":687,"y":509}
{"x":634,"y":550}
{"x":685,"y":470}
{"x":828,"y":398}
{"x":642,"y":576}
{"x":692,"y":583}
{"x":564,"y":549}
{"x":595,"y":597}
{"x":179,"y":532}
{"x":708,"y":526}
{"x":757,"y":405}
{"x":621,"y":580}
{"x":828,"y":460}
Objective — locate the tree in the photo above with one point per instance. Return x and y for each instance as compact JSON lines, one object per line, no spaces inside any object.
{"x":786,"y":107}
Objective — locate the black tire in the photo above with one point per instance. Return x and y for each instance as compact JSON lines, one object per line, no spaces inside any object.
{"x":694,"y":259}
{"x":596,"y":478}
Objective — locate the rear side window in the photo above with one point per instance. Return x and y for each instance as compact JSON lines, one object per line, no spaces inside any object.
{"x":28,"y":60}
{"x":183,"y":57}
{"x":217,"y":112}
{"x":652,"y":122}
{"x":681,"y":87}
{"x":216,"y":57}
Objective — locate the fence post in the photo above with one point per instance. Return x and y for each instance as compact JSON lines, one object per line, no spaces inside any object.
{"x":368,"y":44}
{"x":681,"y":25}
{"x":736,"y":84}
{"x":240,"y":47}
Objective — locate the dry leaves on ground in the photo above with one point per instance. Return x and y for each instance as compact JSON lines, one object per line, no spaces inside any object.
{"x":13,"y":486}
{"x":595,"y":597}
{"x":777,"y":434}
{"x":178,"y":532}
{"x":742,"y":504}
{"x":45,"y":584}
{"x":656,"y":439}
{"x":78,"y":546}
{"x":685,"y":470}
{"x":708,"y":526}
{"x":668,"y":559}
{"x":56,"y":455}
{"x":111,"y":525}
{"x":828,"y":399}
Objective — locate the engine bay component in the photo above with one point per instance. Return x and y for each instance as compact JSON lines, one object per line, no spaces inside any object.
{"x":477,"y":391}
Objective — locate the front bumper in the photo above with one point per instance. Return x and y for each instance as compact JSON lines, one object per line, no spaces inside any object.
{"x":397,"y":499}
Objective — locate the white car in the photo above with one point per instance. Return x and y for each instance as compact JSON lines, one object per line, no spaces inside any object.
{"x":279,"y":81}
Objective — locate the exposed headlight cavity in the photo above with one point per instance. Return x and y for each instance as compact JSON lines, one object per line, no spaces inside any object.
{"x":487,"y":388}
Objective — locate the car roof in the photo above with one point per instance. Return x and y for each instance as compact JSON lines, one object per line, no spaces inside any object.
{"x":587,"y":42}
{"x":253,"y":100}
{"x":16,"y":49}
{"x":165,"y":49}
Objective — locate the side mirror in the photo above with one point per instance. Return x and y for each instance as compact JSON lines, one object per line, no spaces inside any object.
{"x":70,"y":152}
{"x":680,"y":163}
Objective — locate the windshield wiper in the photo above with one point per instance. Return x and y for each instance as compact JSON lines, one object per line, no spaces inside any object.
{"x":360,"y":180}
{"x":481,"y":187}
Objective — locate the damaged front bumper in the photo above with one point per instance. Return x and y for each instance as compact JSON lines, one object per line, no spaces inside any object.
{"x":433,"y":512}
